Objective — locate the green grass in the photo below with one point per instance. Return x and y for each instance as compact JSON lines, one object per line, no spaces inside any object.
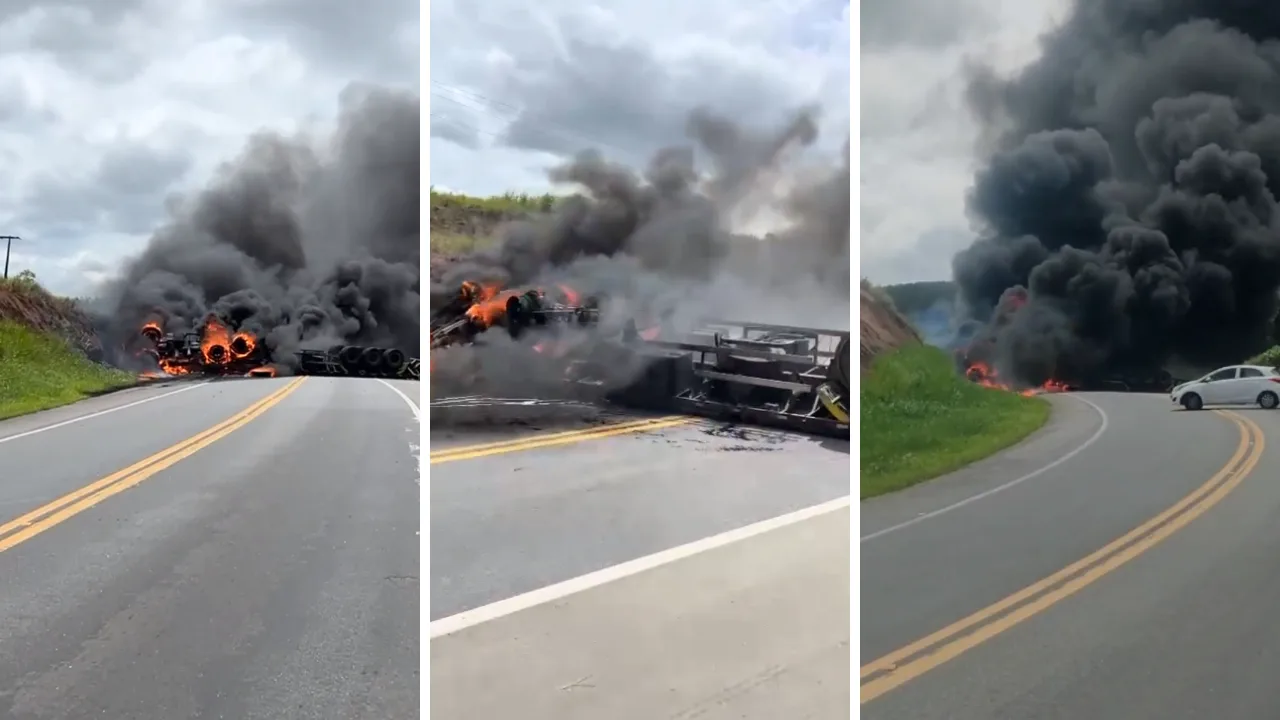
{"x":40,"y":371}
{"x":512,"y":203}
{"x":921,"y":420}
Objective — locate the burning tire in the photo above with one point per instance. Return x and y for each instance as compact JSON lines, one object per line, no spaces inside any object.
{"x":1192,"y":401}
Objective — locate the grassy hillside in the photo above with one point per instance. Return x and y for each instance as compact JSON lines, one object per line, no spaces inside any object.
{"x":921,"y":420}
{"x":462,"y":223}
{"x":45,"y":346}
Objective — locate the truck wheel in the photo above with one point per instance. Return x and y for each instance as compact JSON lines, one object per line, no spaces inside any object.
{"x":838,"y":370}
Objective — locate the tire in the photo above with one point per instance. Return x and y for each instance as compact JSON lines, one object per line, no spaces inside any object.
{"x":1268,"y":400}
{"x":838,"y":370}
{"x":1192,"y":401}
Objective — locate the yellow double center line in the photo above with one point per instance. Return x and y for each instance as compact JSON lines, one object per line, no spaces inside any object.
{"x":898,"y":667}
{"x":24,"y":528}
{"x":540,"y":441}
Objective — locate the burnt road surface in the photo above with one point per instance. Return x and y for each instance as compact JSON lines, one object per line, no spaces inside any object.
{"x":1123,"y":563}
{"x":589,"y":564}
{"x":230,"y":549}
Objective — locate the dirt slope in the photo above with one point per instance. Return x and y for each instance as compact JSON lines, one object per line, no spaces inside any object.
{"x":23,"y":301}
{"x":463,"y":223}
{"x":883,"y":328}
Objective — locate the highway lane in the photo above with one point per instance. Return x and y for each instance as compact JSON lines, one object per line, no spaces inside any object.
{"x":511,"y":522}
{"x":1175,"y":623}
{"x":271,"y":573}
{"x":641,"y":574}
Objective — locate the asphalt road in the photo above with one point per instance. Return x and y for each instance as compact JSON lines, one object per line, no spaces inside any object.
{"x":1139,"y":604}
{"x":269,"y":570}
{"x":584,"y":570}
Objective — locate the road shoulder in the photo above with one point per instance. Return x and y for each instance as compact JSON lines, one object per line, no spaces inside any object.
{"x":103,"y":405}
{"x":1073,"y":423}
{"x":755,"y":629}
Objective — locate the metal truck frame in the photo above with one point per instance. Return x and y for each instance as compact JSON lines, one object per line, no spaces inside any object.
{"x":779,"y":376}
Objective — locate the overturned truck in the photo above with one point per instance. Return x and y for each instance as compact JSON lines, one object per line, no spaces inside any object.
{"x":214,"y":349}
{"x":780,"y":376}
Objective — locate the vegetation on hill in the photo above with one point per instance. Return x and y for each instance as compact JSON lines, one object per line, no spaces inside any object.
{"x":1269,"y":357}
{"x":463,"y":223}
{"x":920,"y":419}
{"x":46,"y":346}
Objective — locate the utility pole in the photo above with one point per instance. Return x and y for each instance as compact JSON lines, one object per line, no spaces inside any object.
{"x":8,"y":240}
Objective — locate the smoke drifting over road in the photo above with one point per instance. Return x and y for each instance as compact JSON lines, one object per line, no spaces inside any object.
{"x":1131,"y":190}
{"x":303,"y":242}
{"x":668,"y":243}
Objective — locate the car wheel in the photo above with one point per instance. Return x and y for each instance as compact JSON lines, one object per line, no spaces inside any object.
{"x":1192,"y":401}
{"x":1269,"y":400}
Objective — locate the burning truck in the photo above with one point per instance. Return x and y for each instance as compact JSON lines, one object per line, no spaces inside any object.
{"x":978,"y":360}
{"x":771,"y":375}
{"x":215,"y":349}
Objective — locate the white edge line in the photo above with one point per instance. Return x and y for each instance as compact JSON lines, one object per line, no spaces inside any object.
{"x":551,"y":593}
{"x":417,"y":414}
{"x":100,"y":413}
{"x":417,"y":417}
{"x":992,"y":491}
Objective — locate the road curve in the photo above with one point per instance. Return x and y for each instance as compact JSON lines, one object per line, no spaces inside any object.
{"x":612,"y":568}
{"x":1134,"y":579}
{"x":160,"y":562}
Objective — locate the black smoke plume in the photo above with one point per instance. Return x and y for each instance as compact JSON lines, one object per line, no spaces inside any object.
{"x":667,"y":242}
{"x":305,"y":242}
{"x":1130,"y":192}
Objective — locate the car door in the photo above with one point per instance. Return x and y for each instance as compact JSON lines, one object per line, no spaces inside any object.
{"x":1250,"y":385}
{"x":1217,"y":386}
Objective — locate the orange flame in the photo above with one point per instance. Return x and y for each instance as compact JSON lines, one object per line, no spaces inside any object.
{"x":491,"y":305}
{"x":983,"y":374}
{"x":243,"y":344}
{"x":215,"y":342}
{"x":172,"y":368}
{"x":571,"y":296}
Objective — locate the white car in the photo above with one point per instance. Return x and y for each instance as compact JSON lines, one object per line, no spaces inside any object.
{"x":1234,"y":385}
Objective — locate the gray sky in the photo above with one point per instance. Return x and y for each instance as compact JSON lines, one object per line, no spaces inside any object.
{"x":108,"y":108}
{"x":917,"y":138}
{"x":517,"y":85}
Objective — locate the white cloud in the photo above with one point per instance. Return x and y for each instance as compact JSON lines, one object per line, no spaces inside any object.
{"x":111,"y":106}
{"x":515,"y":87}
{"x":917,"y":137}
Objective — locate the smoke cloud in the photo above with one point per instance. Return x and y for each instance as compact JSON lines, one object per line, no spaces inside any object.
{"x":306,"y":242}
{"x":669,"y":243}
{"x":1129,"y":192}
